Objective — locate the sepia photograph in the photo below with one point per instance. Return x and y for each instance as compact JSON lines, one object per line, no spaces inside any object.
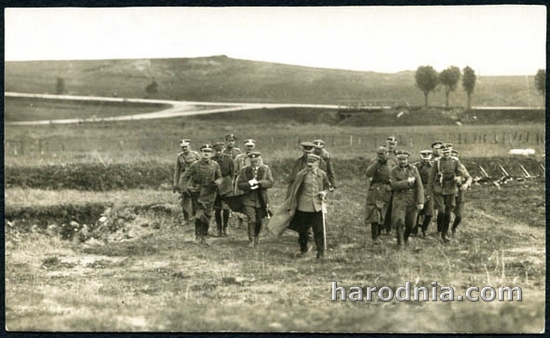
{"x":332,"y":169}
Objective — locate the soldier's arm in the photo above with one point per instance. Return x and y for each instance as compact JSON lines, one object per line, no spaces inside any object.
{"x":295,"y":169}
{"x":187,"y":175}
{"x":218,"y":171}
{"x":371,"y":169}
{"x":231,"y":166}
{"x":330,"y":172}
{"x":177,"y":172}
{"x":465,"y":174}
{"x":397,"y":184}
{"x":242,"y":183}
{"x":419,"y":187}
{"x":431,"y":178}
{"x":268,"y":181}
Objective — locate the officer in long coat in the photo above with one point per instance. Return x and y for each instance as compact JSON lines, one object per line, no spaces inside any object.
{"x":378,"y":193}
{"x":254,"y":180}
{"x":184,"y":160}
{"x":424,"y":167}
{"x":201,"y":182}
{"x":445,"y":174}
{"x":463,"y":184}
{"x":407,"y":198}
{"x":305,"y":204}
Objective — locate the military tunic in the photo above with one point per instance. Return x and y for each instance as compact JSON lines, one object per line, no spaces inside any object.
{"x":460,"y":195}
{"x":184,"y":161}
{"x":424,"y":170}
{"x":232,"y":152}
{"x":325,"y":156}
{"x":379,"y":192}
{"x":200,"y":182}
{"x":406,"y":197}
{"x":441,"y":182}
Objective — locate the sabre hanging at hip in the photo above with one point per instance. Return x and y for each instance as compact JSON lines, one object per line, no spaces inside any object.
{"x":324,"y":212}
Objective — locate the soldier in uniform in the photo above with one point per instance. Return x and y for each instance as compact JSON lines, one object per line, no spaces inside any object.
{"x":445,"y":173}
{"x":378,"y":193}
{"x":230,"y":148}
{"x":436,"y":150}
{"x":185,"y":158}
{"x":463,"y":184}
{"x":320,"y":151}
{"x":241,"y":161}
{"x":408,"y":197}
{"x":391,"y":144}
{"x":201,"y":181}
{"x":424,"y":167}
{"x":228,"y":172}
{"x":254,"y":180}
{"x":307,"y":194}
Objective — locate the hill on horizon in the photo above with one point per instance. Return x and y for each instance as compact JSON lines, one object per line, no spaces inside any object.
{"x":224,"y":79}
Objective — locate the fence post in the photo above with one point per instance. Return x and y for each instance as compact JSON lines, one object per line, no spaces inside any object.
{"x":484,"y":138}
{"x":527,"y":137}
{"x":351,"y":140}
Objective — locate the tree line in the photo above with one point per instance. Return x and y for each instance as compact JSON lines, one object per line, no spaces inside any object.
{"x":427,"y":79}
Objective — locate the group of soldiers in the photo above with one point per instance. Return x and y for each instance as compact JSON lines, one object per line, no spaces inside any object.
{"x":221,"y":179}
{"x":404,"y":196}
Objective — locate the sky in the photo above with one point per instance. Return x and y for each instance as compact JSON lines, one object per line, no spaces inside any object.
{"x":493,"y":40}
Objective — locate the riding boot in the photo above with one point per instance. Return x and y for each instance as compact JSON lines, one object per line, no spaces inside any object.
{"x":456,"y":222}
{"x":425,"y":224}
{"x":446,"y":221}
{"x":225,"y":221}
{"x":400,"y":234}
{"x":251,"y":234}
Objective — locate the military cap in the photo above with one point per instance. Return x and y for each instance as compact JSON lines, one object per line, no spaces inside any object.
{"x":249,"y":142}
{"x":425,"y":154}
{"x":319,"y":143}
{"x":254,"y":154}
{"x":454,"y":152}
{"x":206,"y":147}
{"x":312,"y":158}
{"x":381,"y":150}
{"x":391,"y":139}
{"x":402,"y":154}
{"x":229,"y":137}
{"x":218,"y":146}
{"x":307,"y":146}
{"x":184,"y":143}
{"x":447,"y":148}
{"x":437,"y":143}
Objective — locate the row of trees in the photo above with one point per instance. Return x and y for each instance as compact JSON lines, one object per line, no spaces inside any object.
{"x":427,"y":79}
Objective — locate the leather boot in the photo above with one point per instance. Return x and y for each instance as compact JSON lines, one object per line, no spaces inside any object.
{"x":250,"y":234}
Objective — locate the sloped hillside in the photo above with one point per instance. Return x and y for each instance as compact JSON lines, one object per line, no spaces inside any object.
{"x":220,"y":78}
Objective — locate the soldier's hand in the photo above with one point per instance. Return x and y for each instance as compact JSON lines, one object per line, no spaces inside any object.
{"x":411,"y":179}
{"x":291,"y":212}
{"x":332,"y":188}
{"x":420,"y":206}
{"x":322,"y":194}
{"x":464,"y":187}
{"x":458,"y":179}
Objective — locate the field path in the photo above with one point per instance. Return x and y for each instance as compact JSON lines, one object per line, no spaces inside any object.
{"x":178,"y":108}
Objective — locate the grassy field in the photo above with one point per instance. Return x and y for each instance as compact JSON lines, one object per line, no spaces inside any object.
{"x":148,"y":275}
{"x":119,"y":259}
{"x":277,"y":132}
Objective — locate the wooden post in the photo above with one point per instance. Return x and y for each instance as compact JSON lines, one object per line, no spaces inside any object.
{"x":484,"y":138}
{"x":459,"y":138}
{"x":527,"y":137}
{"x":351,"y":140}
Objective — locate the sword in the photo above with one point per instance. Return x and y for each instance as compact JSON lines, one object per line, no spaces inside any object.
{"x":324,"y":211}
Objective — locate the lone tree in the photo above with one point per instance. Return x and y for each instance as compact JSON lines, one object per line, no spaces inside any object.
{"x":60,"y":86}
{"x":449,"y":79}
{"x":426,"y":79}
{"x":152,"y":88}
{"x":468,"y":83}
{"x":540,"y":82}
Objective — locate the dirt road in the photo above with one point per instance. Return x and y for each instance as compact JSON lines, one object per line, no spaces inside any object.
{"x":178,"y":108}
